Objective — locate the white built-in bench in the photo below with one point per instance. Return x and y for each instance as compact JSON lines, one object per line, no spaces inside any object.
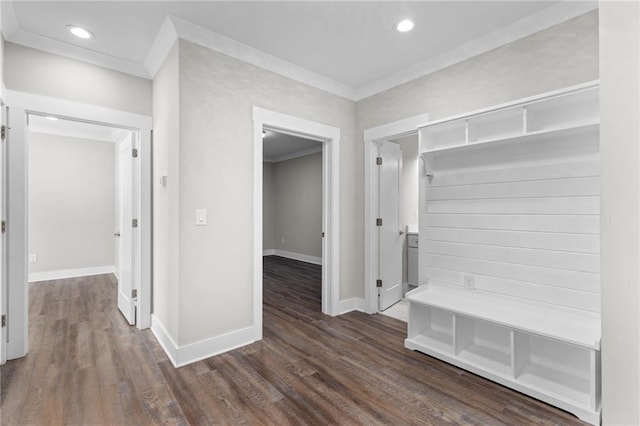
{"x":550,"y":354}
{"x":510,"y":247}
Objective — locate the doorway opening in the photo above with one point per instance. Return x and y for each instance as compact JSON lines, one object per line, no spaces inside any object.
{"x":392,"y":199}
{"x":81,"y":203}
{"x":292,"y":217}
{"x":321,"y":139}
{"x":51,"y":127}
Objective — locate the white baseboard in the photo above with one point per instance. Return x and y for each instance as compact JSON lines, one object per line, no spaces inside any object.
{"x":295,"y":256}
{"x":193,"y":352}
{"x":70,"y":273}
{"x":348,"y":305}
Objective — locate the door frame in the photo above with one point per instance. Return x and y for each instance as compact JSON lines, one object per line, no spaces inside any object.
{"x":371,"y":136}
{"x":330,"y":137}
{"x":22,"y":104}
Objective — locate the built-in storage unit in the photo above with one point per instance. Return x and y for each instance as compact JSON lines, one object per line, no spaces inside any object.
{"x":510,"y":246}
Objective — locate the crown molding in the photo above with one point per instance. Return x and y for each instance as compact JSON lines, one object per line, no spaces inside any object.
{"x":174,"y":28}
{"x":521,"y":28}
{"x":292,"y":155}
{"x":219,"y":43}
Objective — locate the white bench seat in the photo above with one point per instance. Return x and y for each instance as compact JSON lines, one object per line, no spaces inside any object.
{"x":530,"y":317}
{"x":550,"y":354}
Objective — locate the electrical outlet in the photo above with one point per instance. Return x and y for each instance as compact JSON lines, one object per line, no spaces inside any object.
{"x":33,"y":258}
{"x":282,"y":240}
{"x":469,"y":282}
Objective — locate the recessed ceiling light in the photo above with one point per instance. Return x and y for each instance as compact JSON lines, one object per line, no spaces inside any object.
{"x":80,"y":32}
{"x":405,"y":25}
{"x":51,"y":118}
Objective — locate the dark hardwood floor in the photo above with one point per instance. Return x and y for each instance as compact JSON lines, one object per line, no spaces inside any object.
{"x":88,"y":367}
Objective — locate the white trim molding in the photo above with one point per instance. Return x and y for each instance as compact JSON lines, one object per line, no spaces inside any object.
{"x":194,"y":352}
{"x":71,"y":273}
{"x":352,"y":304}
{"x":388,"y":131}
{"x":330,"y":136}
{"x":294,"y":256}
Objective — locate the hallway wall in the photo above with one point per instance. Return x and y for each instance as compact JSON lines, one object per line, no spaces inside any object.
{"x":71,"y":203}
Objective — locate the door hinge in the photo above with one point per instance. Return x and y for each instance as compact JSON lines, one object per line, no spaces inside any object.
{"x":134,"y":293}
{"x":3,"y":132}
{"x":134,"y":153}
{"x":4,"y":226}
{"x":379,"y":161}
{"x":3,"y":321}
{"x":323,"y":235}
{"x":378,"y":283}
{"x":379,"y":221}
{"x":134,"y":223}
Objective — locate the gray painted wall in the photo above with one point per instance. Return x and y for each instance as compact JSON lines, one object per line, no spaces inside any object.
{"x":71,"y":202}
{"x":298,"y":205}
{"x":268,"y":206}
{"x":166,"y":114}
{"x":217,"y":94}
{"x":35,"y":71}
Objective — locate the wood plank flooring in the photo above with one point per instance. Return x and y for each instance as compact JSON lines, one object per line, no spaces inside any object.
{"x":88,"y":367}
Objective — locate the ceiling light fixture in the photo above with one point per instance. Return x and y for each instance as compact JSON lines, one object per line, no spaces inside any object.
{"x":80,"y":32}
{"x":51,"y":118}
{"x":405,"y":25}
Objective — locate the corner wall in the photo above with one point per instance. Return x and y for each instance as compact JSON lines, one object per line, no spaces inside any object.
{"x":620,"y":211}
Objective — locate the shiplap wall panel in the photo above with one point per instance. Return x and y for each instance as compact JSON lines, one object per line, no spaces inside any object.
{"x":562,"y":187}
{"x":579,"y":262}
{"x":570,"y":298}
{"x":578,"y":243}
{"x":522,"y":230}
{"x":532,"y":206}
{"x":535,"y":223}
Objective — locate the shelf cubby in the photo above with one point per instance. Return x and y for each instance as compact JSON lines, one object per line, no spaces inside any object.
{"x":554,"y":367}
{"x":445,"y":135}
{"x":431,"y":327}
{"x":484,"y":345}
{"x":575,"y":108}
{"x":498,"y":124}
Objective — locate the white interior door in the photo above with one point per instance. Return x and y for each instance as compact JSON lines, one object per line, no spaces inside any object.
{"x":126,"y":302}
{"x":390,"y":233}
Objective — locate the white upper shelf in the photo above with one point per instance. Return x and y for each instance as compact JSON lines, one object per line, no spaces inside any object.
{"x":572,"y":112}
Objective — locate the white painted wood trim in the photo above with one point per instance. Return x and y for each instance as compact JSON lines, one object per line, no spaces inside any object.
{"x":330,"y":136}
{"x":164,"y":338}
{"x":386,"y":131}
{"x":268,"y":252}
{"x":296,"y":256}
{"x":352,"y":304}
{"x":21,"y":104}
{"x":162,"y":45}
{"x":194,"y":352}
{"x":71,"y":273}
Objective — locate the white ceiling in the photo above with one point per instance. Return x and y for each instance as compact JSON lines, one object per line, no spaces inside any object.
{"x":351,"y":43}
{"x":279,"y":146}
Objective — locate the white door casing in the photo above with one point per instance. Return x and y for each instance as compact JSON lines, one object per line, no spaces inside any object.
{"x":372,"y":135}
{"x":21,"y":106}
{"x":390,"y":232}
{"x":126,"y":303}
{"x":3,"y":269}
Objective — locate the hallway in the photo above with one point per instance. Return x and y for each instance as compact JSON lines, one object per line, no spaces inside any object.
{"x":87,"y":366}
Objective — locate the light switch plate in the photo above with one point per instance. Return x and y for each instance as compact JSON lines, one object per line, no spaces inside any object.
{"x":201,"y":217}
{"x":33,"y":258}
